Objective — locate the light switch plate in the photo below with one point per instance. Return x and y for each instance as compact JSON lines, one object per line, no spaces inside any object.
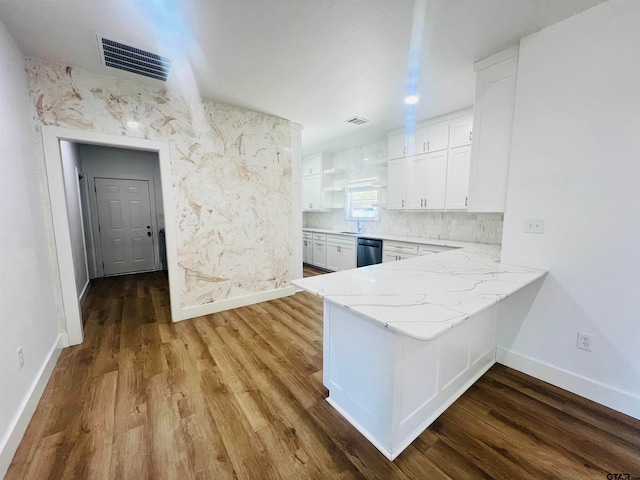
{"x":534,"y":225}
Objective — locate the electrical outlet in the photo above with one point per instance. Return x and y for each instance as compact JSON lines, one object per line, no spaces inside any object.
{"x":480,"y":225}
{"x":534,"y":225}
{"x":192,"y":221}
{"x":20,"y":357}
{"x":585,"y":341}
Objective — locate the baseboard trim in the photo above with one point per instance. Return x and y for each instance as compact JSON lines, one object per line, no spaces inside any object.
{"x":12,"y":439}
{"x":606,"y":395}
{"x":209,"y":308}
{"x":83,"y":294}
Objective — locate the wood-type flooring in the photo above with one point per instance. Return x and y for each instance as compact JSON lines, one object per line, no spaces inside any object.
{"x":238,"y":394}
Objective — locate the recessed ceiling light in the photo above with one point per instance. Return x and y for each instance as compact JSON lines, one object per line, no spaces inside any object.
{"x":411,"y":99}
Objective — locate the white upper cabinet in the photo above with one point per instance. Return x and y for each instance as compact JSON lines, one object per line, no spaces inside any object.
{"x":415,"y":182}
{"x":314,"y":185}
{"x":313,"y":164}
{"x":312,"y":193}
{"x":492,"y":122}
{"x":460,"y":131}
{"x":421,"y":179}
{"x":458,"y":178}
{"x":436,"y":181}
{"x":437,"y":137}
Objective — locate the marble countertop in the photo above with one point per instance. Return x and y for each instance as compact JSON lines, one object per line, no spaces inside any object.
{"x":423,"y":297}
{"x":419,"y":240}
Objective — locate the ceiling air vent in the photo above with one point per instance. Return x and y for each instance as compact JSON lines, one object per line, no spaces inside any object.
{"x":357,"y":120}
{"x":131,"y":59}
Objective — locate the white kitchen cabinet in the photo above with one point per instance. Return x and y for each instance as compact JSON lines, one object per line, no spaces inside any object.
{"x":312,"y":193}
{"x":436,"y":180}
{"x":426,"y":181}
{"x":458,"y":178}
{"x":393,"y":251}
{"x":314,"y":164}
{"x":460,"y":131}
{"x":437,"y":137}
{"x":396,"y":184}
{"x":341,"y":252}
{"x":492,"y":123}
{"x":416,"y":182}
{"x":319,"y":250}
{"x":420,"y":180}
{"x":307,"y":247}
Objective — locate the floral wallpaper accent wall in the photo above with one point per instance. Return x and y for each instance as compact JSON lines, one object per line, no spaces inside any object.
{"x":230,"y":168}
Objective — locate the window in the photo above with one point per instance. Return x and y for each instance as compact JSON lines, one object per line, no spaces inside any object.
{"x":363,"y":197}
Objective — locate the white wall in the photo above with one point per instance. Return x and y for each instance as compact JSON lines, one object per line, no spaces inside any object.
{"x":28,"y":310}
{"x":70,"y":167}
{"x":108,"y":162}
{"x":576,"y":163}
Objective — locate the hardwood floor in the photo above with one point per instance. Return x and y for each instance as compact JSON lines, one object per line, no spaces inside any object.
{"x":309,"y":271}
{"x":239,"y":394}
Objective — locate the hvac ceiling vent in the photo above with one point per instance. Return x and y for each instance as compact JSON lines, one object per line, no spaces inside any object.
{"x":357,"y":120}
{"x":131,"y":59}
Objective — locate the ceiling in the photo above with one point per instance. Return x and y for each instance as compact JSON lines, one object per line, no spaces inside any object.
{"x":316,"y":62}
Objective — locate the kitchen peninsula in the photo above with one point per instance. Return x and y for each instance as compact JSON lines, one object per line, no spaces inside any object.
{"x":403,"y":340}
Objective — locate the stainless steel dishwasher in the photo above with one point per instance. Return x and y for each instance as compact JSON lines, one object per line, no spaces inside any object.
{"x":369,"y":251}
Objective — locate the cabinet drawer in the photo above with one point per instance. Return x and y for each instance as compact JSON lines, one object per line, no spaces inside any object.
{"x":320,"y":236}
{"x":307,"y":235}
{"x":341,"y":239}
{"x":401,"y":247}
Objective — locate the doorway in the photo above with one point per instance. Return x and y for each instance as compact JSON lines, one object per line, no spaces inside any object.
{"x":70,"y":319}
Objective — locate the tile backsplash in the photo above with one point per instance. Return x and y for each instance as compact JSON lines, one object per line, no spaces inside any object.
{"x":461,"y":226}
{"x":370,"y":160}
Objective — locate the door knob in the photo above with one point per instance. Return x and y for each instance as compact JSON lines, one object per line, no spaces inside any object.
{"x":148,"y":234}
{"x":148,"y":227}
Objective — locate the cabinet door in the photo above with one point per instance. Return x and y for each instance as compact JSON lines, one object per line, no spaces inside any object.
{"x":458,"y":178}
{"x":312,"y":192}
{"x":460,"y":132}
{"x":312,"y":165}
{"x":416,"y":182}
{"x":492,"y":124}
{"x":320,"y":253}
{"x":389,"y":257}
{"x":436,"y":180}
{"x":333,"y":257}
{"x":396,"y":146}
{"x":437,"y":137}
{"x":347,"y":257}
{"x":419,"y":143}
{"x":396,"y":184}
{"x":306,"y":258}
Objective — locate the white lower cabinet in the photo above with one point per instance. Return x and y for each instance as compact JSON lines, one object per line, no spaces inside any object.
{"x":341,"y":252}
{"x":307,"y":247}
{"x":394,"y":251}
{"x":319,"y":250}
